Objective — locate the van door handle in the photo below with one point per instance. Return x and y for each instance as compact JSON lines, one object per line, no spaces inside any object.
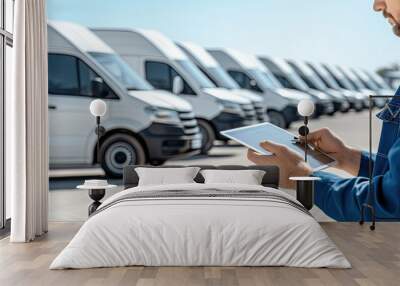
{"x":52,"y":107}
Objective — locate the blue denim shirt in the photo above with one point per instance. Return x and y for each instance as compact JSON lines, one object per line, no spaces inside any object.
{"x":342,"y":198}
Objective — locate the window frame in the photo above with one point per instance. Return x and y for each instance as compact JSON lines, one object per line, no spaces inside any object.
{"x":77,"y":62}
{"x":6,"y":39}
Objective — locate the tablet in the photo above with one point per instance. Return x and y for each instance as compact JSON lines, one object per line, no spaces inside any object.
{"x":252,"y":136}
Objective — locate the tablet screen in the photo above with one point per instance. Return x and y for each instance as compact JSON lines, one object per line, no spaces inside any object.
{"x":252,"y":136}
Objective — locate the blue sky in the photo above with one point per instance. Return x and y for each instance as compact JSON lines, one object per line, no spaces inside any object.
{"x":345,"y":32}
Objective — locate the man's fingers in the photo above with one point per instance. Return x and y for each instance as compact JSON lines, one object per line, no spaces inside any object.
{"x":310,"y":141}
{"x":273,"y":147}
{"x":315,"y":135}
{"x":312,"y":136}
{"x":259,"y":159}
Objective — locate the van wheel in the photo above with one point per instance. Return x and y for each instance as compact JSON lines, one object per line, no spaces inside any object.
{"x":278,"y":119}
{"x":120,"y":150}
{"x":208,"y":136}
{"x":359,"y":108}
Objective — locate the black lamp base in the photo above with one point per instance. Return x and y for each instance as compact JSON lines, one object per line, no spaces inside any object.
{"x":305,"y":190}
{"x":96,"y":195}
{"x":305,"y":193}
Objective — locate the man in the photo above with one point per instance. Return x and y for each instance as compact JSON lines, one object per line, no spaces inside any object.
{"x":342,"y":198}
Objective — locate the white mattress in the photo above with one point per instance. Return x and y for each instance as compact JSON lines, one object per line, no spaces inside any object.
{"x":200,"y":232}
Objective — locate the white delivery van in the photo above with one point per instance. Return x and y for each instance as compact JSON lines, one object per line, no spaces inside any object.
{"x":371,"y":84}
{"x":312,"y":80}
{"x":379,"y":81}
{"x":250,"y":74}
{"x":355,"y":99}
{"x":289,"y":79}
{"x":215,"y":72}
{"x":162,"y":63}
{"x":344,"y":83}
{"x":359,"y":86}
{"x":142,"y":125}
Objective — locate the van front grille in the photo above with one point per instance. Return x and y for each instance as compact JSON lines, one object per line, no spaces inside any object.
{"x":249,"y":112}
{"x":260,"y":111}
{"x":189,"y":123}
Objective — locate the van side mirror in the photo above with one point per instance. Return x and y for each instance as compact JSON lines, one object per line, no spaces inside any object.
{"x":177,"y":85}
{"x":254,"y":86}
{"x":253,"y":83}
{"x":98,"y":87}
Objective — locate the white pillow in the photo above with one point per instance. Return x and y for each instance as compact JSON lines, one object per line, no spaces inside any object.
{"x":247,"y":177}
{"x":166,"y":176}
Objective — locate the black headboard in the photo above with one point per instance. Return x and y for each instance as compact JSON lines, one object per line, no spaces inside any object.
{"x":271,"y":177}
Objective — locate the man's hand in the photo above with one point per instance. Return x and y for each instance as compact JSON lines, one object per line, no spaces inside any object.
{"x":348,"y":159}
{"x":289,"y":162}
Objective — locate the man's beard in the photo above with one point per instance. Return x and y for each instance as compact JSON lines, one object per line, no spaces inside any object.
{"x":393,"y":22}
{"x":396,"y":30}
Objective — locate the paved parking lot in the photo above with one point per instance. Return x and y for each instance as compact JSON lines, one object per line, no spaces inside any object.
{"x":67,"y":203}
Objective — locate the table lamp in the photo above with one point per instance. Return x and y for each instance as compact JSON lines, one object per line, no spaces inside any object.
{"x":305,"y":108}
{"x":98,"y":108}
{"x":305,"y":185}
{"x":97,"y":188}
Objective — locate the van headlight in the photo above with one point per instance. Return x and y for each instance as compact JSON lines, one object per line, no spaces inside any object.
{"x":231,"y":107}
{"x":164,"y":115}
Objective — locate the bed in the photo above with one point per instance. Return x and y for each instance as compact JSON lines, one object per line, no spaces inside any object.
{"x":199,"y":224}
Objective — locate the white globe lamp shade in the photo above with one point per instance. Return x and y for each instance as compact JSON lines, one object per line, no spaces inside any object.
{"x":98,"y":107}
{"x":306,"y":107}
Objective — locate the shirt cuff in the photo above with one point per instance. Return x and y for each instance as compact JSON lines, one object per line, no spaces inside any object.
{"x":323,"y":187}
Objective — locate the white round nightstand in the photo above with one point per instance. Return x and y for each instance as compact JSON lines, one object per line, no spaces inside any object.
{"x":96,"y":193}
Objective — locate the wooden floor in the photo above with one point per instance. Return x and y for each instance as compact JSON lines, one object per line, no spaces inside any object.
{"x":375,"y":257}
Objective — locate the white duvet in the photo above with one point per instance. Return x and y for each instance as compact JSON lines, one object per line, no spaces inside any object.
{"x":200,"y":232}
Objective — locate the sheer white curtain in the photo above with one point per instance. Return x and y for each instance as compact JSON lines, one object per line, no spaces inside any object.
{"x":26,"y":124}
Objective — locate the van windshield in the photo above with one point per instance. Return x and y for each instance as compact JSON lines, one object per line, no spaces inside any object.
{"x":263,"y":79}
{"x":377,"y":80}
{"x":352,"y":82}
{"x":195,"y":73}
{"x":273,"y":79}
{"x":325,"y":78}
{"x":222,"y":78}
{"x":367,"y":83}
{"x":297,"y":81}
{"x":121,"y":71}
{"x":310,"y":77}
{"x":341,"y":80}
{"x":317,"y":82}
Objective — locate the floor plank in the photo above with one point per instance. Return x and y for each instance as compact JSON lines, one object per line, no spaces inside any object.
{"x":375,"y":257}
